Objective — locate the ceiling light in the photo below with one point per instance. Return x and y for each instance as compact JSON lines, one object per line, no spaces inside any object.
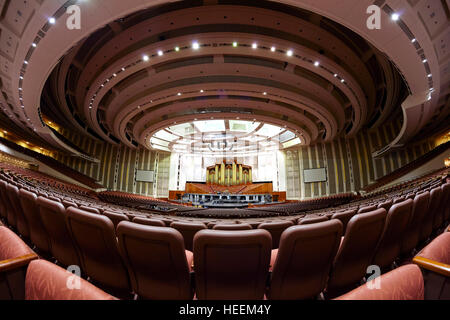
{"x":429,"y":75}
{"x":273,"y":49}
{"x":34,"y":45}
{"x":424,"y":60}
{"x":195,"y":45}
{"x":179,"y":94}
{"x":123,"y":69}
{"x":235,"y":44}
{"x":316,"y":64}
{"x":342,"y":80}
{"x":289,"y":53}
{"x":52,"y":20}
{"x":138,"y":107}
{"x":395,"y":16}
{"x":335,"y":75}
{"x":264,"y":93}
{"x":413,"y":40}
{"x":177,"y":49}
{"x":201,"y":91}
{"x":26,"y":62}
{"x":160,"y":53}
{"x":145,"y":58}
{"x":114,"y":75}
{"x":20,"y":89}
{"x":254,"y":46}
{"x":21,"y":78}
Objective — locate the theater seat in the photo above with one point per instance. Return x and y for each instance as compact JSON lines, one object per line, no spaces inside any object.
{"x":46,"y":281}
{"x":15,"y":256}
{"x":116,"y":218}
{"x":95,"y":238}
{"x":397,"y":221}
{"x":157,"y":261}
{"x":231,"y":264}
{"x":53,"y":217}
{"x":276,"y":229}
{"x":367,"y":208}
{"x":310,"y":220}
{"x":234,"y":226}
{"x":434,"y":260}
{"x":38,"y":234}
{"x":304,"y":260}
{"x":149,"y":222}
{"x":410,"y":238}
{"x":427,"y":225}
{"x":188,"y":230}
{"x":403,"y":283}
{"x":356,"y":251}
{"x":20,"y":221}
{"x":439,"y":217}
{"x":344,"y":217}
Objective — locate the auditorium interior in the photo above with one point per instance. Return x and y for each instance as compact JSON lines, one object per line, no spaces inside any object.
{"x":225,"y":150}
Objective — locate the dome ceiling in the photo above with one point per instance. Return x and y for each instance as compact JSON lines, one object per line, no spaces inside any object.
{"x":184,"y":61}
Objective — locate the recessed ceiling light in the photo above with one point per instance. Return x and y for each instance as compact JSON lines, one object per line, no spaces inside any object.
{"x":114,"y":75}
{"x":195,"y":45}
{"x":413,"y":40}
{"x":20,"y":89}
{"x":316,"y":64}
{"x":179,"y":94}
{"x":201,"y":91}
{"x":21,"y":78}
{"x":289,"y":53}
{"x":26,"y":62}
{"x":273,"y":49}
{"x":145,"y":57}
{"x":335,"y":75}
{"x":424,"y":60}
{"x":123,"y":69}
{"x":429,"y":75}
{"x":254,"y":46}
{"x":395,"y":16}
{"x":235,"y":44}
{"x":138,"y":107}
{"x":342,"y":80}
{"x":264,"y":93}
{"x":160,"y":53}
{"x":52,"y":20}
{"x":177,"y":49}
{"x":34,"y":45}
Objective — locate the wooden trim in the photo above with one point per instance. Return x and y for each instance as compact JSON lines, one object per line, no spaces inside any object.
{"x":432,"y":265}
{"x":10,"y":264}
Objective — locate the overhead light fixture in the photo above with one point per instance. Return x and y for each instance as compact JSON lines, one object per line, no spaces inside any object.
{"x":429,"y":75}
{"x":289,"y":53}
{"x":195,"y":45}
{"x":21,"y":78}
{"x":145,"y":58}
{"x":26,"y":62}
{"x":179,"y":94}
{"x":114,"y":75}
{"x":177,"y":49}
{"x":413,"y":40}
{"x":235,"y":44}
{"x":254,"y":46}
{"x":335,"y":75}
{"x":34,"y":45}
{"x":51,"y":20}
{"x":395,"y":16}
{"x":316,"y":64}
{"x":123,"y":69}
{"x":160,"y":53}
{"x":201,"y":91}
{"x":424,"y":60}
{"x":342,"y":80}
{"x":273,"y":49}
{"x":265,"y":93}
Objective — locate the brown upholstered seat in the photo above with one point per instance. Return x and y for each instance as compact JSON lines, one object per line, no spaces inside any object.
{"x":188,"y":230}
{"x":9,"y":215}
{"x":315,"y":219}
{"x":116,"y":218}
{"x":411,"y":237}
{"x":356,"y":251}
{"x":386,"y":204}
{"x":367,"y":208}
{"x":21,"y":222}
{"x":95,"y":238}
{"x":231,"y":264}
{"x":149,"y":222}
{"x":433,"y":208}
{"x":439,"y":216}
{"x":234,"y":226}
{"x":90,"y":209}
{"x":38,"y":234}
{"x":276,"y":229}
{"x":3,"y":203}
{"x":304,"y":260}
{"x":46,"y":281}
{"x":53,"y":217}
{"x":397,"y":221}
{"x":403,"y":283}
{"x":344,"y":217}
{"x":156,"y":260}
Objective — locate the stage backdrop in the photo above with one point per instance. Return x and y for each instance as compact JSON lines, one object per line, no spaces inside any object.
{"x":189,"y":167}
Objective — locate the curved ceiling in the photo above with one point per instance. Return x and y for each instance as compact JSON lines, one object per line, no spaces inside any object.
{"x":132,"y":70}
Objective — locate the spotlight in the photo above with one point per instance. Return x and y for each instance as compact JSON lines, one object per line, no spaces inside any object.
{"x":395,"y":16}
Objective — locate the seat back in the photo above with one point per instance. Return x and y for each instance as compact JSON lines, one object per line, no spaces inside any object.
{"x":3,"y":203}
{"x":276,"y":229}
{"x":433,"y":208}
{"x":116,"y":218}
{"x":231,"y":264}
{"x":149,"y":222}
{"x":234,"y":226}
{"x":367,"y":208}
{"x":188,"y":230}
{"x":344,"y":217}
{"x":397,"y":221}
{"x":386,"y":204}
{"x":95,"y":238}
{"x":38,"y":234}
{"x":356,"y":250}
{"x":46,"y":281}
{"x":8,"y":213}
{"x":439,"y":217}
{"x":304,"y":260}
{"x":20,"y":222}
{"x":310,"y":220}
{"x":402,"y":283}
{"x":53,"y":217}
{"x":156,"y":261}
{"x":90,"y":209}
{"x":411,"y":237}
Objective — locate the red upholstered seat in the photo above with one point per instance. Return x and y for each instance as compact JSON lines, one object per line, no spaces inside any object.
{"x":11,"y":246}
{"x":47,"y":281}
{"x":403,"y":283}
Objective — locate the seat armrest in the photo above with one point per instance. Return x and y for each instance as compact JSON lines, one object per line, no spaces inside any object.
{"x":431,"y":265}
{"x":10,"y":264}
